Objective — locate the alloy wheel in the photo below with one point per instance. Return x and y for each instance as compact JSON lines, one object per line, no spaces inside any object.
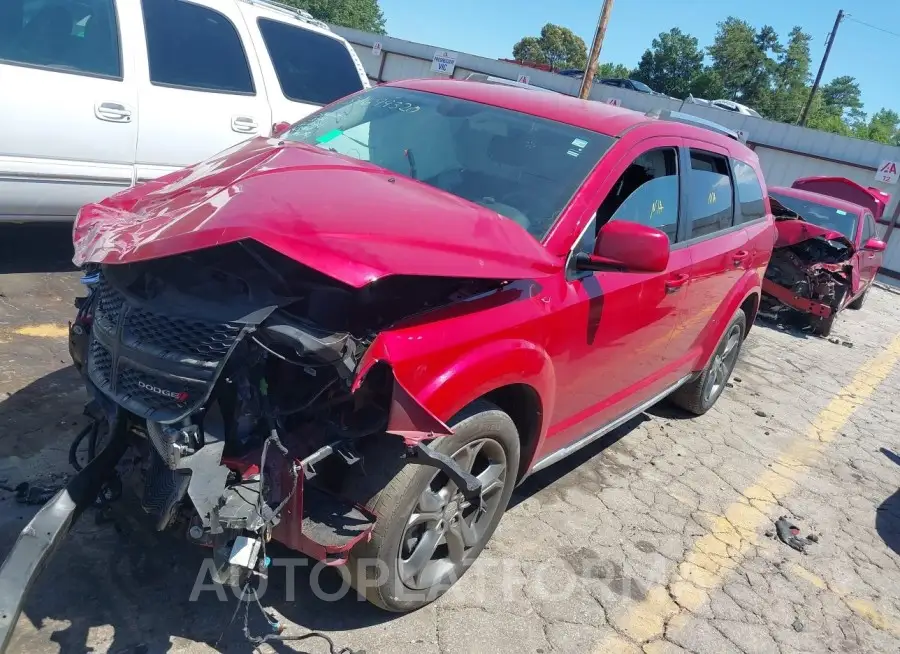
{"x":443,"y":527}
{"x":722,"y":364}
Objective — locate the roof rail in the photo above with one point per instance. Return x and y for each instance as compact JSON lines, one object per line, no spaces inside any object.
{"x":304,"y":16}
{"x":688,"y":119}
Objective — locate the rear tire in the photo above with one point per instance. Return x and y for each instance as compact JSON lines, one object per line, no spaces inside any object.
{"x":857,"y":304}
{"x":380,"y":570}
{"x":700,"y":395}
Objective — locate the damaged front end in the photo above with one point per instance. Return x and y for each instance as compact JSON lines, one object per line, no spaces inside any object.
{"x":810,"y":271}
{"x":237,"y":373}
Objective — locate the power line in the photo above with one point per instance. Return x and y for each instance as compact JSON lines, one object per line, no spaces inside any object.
{"x":874,"y":27}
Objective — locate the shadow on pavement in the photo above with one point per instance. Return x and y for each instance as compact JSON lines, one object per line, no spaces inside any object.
{"x":36,"y":248}
{"x":887,"y":516}
{"x":42,"y":413}
{"x":551,"y":475}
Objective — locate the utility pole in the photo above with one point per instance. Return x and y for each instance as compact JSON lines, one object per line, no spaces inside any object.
{"x":591,"y":70}
{"x":815,"y":86}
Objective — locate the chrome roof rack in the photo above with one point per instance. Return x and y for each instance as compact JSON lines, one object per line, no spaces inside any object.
{"x":304,"y":16}
{"x":688,"y":119}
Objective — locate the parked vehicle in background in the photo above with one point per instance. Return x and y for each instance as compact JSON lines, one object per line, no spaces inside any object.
{"x":490,"y":79}
{"x":101,"y":94}
{"x":828,"y":251}
{"x":736,"y":107}
{"x":359,"y":347}
{"x":630,"y":84}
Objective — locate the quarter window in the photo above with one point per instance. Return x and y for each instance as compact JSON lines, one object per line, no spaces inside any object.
{"x":749,"y":191}
{"x":710,"y":198}
{"x":71,"y":37}
{"x":194,"y":47}
{"x":646,"y":193}
{"x":310,"y":67}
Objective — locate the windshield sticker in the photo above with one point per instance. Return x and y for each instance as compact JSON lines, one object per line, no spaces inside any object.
{"x":841,"y":212}
{"x":573,"y":153}
{"x":329,"y":136}
{"x":579,"y":143}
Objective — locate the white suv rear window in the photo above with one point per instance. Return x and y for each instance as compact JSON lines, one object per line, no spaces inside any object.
{"x":311,"y":67}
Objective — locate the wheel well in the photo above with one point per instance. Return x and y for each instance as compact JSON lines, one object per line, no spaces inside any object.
{"x":523,"y":404}
{"x":750,"y":307}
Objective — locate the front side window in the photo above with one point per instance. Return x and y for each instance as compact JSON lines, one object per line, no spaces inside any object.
{"x":868,"y":230}
{"x":523,"y":167}
{"x":194,"y":47}
{"x":646,"y":193}
{"x":71,"y":37}
{"x":749,"y":191}
{"x":837,"y":220}
{"x":310,"y":67}
{"x":710,"y":199}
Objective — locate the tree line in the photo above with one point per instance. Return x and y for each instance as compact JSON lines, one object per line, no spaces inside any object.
{"x":745,"y":64}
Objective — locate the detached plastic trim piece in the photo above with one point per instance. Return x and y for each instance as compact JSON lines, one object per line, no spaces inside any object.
{"x":42,"y":536}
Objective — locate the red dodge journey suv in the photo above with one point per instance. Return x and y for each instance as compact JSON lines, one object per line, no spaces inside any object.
{"x":358,"y":336}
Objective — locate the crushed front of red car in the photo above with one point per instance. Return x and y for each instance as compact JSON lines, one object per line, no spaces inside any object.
{"x":811,"y":270}
{"x":224,"y":338}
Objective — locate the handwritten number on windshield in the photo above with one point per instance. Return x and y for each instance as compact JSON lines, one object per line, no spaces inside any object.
{"x":397,"y":105}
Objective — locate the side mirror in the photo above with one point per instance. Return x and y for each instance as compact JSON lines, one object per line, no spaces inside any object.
{"x":279,"y":129}
{"x":875,"y":245}
{"x":632,"y":246}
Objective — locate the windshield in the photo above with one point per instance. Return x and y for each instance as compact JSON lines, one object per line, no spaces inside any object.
{"x":640,"y":86}
{"x":836,"y":220}
{"x":523,"y":167}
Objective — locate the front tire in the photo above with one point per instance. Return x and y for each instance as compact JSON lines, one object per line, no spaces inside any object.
{"x":426,"y":536}
{"x":858,"y":302}
{"x":699,"y":395}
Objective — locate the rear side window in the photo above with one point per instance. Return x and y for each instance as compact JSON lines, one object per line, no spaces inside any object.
{"x":310,"y":67}
{"x":749,"y":191}
{"x":71,"y":37}
{"x":194,"y":47}
{"x":710,"y":199}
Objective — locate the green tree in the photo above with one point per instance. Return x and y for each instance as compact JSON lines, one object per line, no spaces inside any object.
{"x":790,"y":78}
{"x":557,"y":46}
{"x":671,"y":63}
{"x":883,"y":127}
{"x":607,"y":69}
{"x":363,"y":15}
{"x":841,"y":96}
{"x":707,"y":85}
{"x":740,"y":58}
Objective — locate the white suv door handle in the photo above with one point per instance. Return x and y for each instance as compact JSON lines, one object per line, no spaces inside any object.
{"x":114,"y":112}
{"x":244,"y":124}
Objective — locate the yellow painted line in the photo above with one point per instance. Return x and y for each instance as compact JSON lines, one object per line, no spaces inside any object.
{"x":46,"y":330}
{"x":732,"y":534}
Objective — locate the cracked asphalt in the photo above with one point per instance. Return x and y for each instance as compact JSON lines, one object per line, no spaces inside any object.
{"x":656,"y":539}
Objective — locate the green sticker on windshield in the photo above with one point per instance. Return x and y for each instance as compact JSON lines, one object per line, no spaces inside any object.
{"x":841,"y":212}
{"x":329,"y":136}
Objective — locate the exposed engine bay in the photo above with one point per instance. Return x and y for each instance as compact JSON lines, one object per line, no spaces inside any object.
{"x":811,"y":275}
{"x":233,"y":373}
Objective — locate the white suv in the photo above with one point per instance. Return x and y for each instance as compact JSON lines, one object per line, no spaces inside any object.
{"x":100,"y":94}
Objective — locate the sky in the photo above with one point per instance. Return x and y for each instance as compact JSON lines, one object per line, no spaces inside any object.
{"x":490,"y":28}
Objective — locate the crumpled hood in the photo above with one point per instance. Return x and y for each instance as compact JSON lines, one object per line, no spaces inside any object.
{"x":792,"y":231}
{"x":348,"y":219}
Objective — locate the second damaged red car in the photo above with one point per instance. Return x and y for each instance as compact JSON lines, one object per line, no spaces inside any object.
{"x":356,"y":338}
{"x":827,"y":252}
